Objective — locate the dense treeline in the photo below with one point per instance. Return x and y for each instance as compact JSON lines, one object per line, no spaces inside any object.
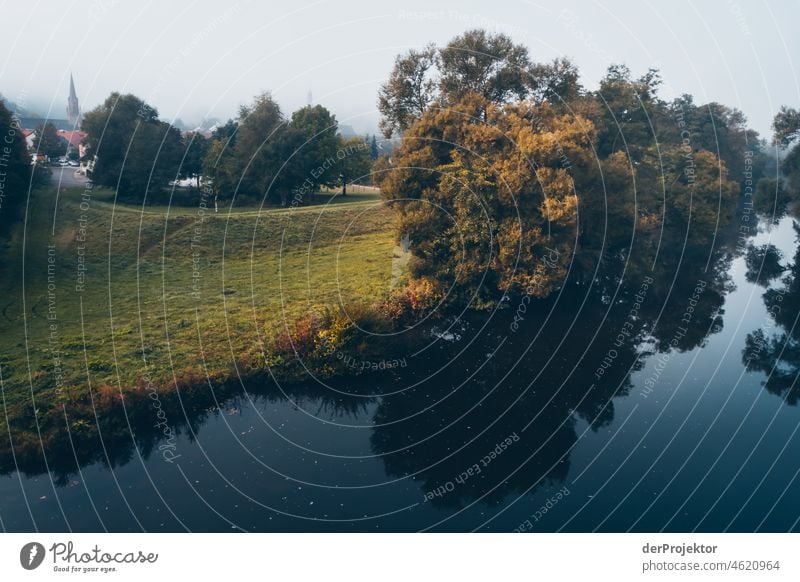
{"x":261,"y":154}
{"x":512,"y":174}
{"x":17,"y":175}
{"x":264,"y":154}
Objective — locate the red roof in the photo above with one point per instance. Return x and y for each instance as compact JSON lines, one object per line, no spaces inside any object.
{"x":73,"y":137}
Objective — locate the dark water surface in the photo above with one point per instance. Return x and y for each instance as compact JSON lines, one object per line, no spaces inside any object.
{"x":634,"y":406}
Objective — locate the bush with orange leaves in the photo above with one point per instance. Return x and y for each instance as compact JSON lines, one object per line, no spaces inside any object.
{"x":416,"y":300}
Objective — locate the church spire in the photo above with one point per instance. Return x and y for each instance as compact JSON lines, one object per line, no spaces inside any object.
{"x":73,"y":109}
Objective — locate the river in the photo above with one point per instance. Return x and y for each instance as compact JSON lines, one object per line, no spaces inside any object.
{"x":656,"y":406}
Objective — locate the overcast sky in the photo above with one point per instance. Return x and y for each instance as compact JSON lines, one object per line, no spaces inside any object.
{"x":201,"y":59}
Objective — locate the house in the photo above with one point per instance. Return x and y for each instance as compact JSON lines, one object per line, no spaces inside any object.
{"x":73,"y":141}
{"x":30,"y":135}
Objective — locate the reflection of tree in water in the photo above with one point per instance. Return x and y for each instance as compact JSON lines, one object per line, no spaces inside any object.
{"x":569,"y":388}
{"x":469,"y":416}
{"x":776,"y":352}
{"x":691,"y":303}
{"x":763,"y":264}
{"x":109,"y":437}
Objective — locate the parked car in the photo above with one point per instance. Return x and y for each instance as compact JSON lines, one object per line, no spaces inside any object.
{"x":73,"y":163}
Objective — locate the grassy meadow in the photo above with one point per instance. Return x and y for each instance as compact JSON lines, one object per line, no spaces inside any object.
{"x":99,"y":293}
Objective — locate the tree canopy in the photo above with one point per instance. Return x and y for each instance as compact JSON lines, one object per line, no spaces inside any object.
{"x":15,"y":167}
{"x":264,"y":155}
{"x":134,"y":152}
{"x":510,"y":175}
{"x":47,"y":142}
{"x":476,"y":62}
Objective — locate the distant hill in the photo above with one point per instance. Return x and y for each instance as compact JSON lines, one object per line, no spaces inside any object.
{"x":29,"y":119}
{"x":11,"y":106}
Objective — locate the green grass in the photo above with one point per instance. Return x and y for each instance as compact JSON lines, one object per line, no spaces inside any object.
{"x":137,"y":315}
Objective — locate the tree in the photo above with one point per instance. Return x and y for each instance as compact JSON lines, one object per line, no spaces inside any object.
{"x":409,"y":91}
{"x":263,"y":154}
{"x":557,"y":81}
{"x":220,"y":166}
{"x":15,"y":168}
{"x":47,"y":141}
{"x":261,"y":150}
{"x":374,"y":151}
{"x":489,"y":205}
{"x":195,"y":148}
{"x":153,"y":160}
{"x":713,"y":127}
{"x":490,"y":65}
{"x":227,"y":131}
{"x":786,"y":126}
{"x":699,"y":192}
{"x":317,"y":128}
{"x":134,"y":152}
{"x":354,"y":162}
{"x":506,"y":189}
{"x":626,"y":105}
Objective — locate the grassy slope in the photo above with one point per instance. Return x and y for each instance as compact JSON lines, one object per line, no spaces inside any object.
{"x":258,"y":270}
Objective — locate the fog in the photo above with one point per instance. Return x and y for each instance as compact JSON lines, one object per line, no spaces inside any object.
{"x":196,"y":60}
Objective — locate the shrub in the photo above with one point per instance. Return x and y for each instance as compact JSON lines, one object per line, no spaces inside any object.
{"x":325,"y":340}
{"x":413,"y":302}
{"x":312,"y":344}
